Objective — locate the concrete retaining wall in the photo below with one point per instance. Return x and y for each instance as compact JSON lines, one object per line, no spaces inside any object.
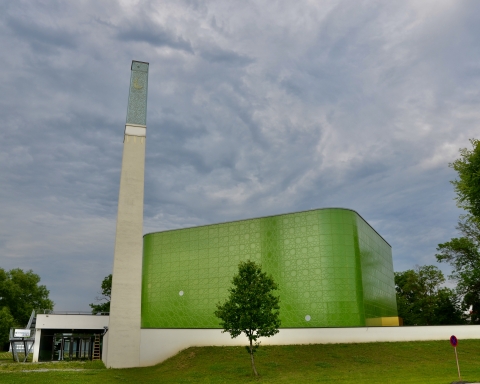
{"x":158,"y":345}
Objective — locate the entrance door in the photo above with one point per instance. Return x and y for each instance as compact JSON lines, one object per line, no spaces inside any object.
{"x":62,"y":348}
{"x":74,"y":346}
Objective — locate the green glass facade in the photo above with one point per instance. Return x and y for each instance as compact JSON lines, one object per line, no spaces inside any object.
{"x":332,"y":268}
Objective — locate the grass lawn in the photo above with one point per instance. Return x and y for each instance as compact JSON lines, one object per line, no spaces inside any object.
{"x":6,"y":357}
{"x":412,"y":362}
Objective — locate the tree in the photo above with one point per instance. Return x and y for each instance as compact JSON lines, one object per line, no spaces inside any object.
{"x":20,"y":293}
{"x":6,"y":322}
{"x":463,"y":253}
{"x":106,"y":296}
{"x":422,"y":300}
{"x":448,"y":310}
{"x":467,"y":186}
{"x":251,"y":307}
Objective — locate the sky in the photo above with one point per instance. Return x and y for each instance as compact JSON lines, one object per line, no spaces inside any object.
{"x":255,"y":108}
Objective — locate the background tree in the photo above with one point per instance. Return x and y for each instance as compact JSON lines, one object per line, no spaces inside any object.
{"x":422,"y":300}
{"x":251,"y":307}
{"x":463,"y":253}
{"x":6,"y":322}
{"x":20,"y":293}
{"x":467,"y":186}
{"x":104,"y":300}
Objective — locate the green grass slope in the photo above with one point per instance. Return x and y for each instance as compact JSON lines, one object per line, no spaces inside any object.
{"x":412,"y":362}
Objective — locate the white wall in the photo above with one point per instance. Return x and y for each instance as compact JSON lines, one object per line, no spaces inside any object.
{"x":71,"y":321}
{"x":158,"y":345}
{"x":105,"y":348}
{"x":36,"y":346}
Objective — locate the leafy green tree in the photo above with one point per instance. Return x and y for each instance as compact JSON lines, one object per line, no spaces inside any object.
{"x":251,"y":307}
{"x":463,"y":254}
{"x":422,"y":300}
{"x":20,"y":293}
{"x":106,"y":296}
{"x":467,"y":186}
{"x":6,"y":322}
{"x":447,"y":309}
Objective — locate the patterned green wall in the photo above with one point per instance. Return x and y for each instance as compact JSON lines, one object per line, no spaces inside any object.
{"x":332,"y":269}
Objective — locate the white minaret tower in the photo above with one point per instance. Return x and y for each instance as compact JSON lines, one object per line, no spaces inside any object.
{"x":123,"y":348}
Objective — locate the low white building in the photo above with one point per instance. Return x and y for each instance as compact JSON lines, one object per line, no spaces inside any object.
{"x":69,"y":336}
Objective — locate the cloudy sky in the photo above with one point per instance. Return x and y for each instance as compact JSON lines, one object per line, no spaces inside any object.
{"x":255,"y":108}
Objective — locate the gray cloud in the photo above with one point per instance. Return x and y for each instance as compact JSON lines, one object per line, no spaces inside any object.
{"x":254,"y":109}
{"x":225,"y":57}
{"x":151,"y":33}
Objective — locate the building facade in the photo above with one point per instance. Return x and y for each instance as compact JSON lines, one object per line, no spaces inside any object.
{"x":332,"y":268}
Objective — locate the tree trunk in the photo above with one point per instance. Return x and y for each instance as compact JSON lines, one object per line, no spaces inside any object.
{"x":253,"y":361}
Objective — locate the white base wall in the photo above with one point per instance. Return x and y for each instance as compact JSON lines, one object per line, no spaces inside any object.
{"x":158,"y":345}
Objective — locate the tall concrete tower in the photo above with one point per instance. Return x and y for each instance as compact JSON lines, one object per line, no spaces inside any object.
{"x":125,"y":307}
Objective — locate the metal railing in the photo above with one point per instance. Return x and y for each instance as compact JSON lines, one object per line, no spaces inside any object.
{"x":50,"y":312}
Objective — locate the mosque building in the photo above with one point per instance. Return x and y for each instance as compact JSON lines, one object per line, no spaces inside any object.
{"x":334,"y":271}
